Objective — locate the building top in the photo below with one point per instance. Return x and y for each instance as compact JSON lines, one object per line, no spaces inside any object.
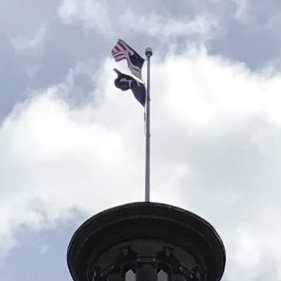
{"x":146,"y":238}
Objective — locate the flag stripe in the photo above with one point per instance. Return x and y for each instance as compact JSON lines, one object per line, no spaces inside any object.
{"x":122,"y":46}
{"x":135,"y":70}
{"x":126,"y":47}
{"x":123,"y":51}
{"x":121,"y":56}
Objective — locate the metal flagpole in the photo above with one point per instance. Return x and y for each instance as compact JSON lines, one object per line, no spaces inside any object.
{"x":148,"y":53}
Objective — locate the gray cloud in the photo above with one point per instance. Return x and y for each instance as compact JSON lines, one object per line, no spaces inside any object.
{"x":217,"y":140}
{"x":48,"y":245}
{"x":215,"y":125}
{"x":242,"y":30}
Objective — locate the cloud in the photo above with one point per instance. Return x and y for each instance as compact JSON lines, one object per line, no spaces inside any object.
{"x":204,"y":19}
{"x":44,"y":249}
{"x":215,"y":151}
{"x":101,"y":17}
{"x":232,"y":28}
{"x":91,"y":13}
{"x":161,"y":27}
{"x":242,"y":9}
{"x":24,"y":42}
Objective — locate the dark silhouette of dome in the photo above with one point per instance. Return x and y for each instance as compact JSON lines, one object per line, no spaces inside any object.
{"x":145,"y":242}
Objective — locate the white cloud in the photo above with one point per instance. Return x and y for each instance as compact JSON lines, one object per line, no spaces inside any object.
{"x":44,"y":249}
{"x":215,"y":151}
{"x":167,"y":27}
{"x":242,"y":9}
{"x":93,"y":14}
{"x":101,"y":16}
{"x":210,"y":95}
{"x":27,"y":42}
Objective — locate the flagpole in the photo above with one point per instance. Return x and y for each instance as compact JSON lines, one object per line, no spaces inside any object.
{"x":148,"y":53}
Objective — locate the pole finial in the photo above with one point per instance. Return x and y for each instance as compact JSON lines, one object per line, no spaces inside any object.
{"x":148,"y":52}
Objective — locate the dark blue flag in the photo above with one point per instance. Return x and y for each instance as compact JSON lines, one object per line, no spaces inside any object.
{"x":125,"y":82}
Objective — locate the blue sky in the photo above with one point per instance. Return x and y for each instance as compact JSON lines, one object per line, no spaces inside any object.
{"x":71,"y":144}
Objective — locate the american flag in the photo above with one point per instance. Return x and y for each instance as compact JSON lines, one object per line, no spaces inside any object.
{"x":123,"y":51}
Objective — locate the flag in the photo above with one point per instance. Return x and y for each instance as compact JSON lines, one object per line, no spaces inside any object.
{"x":125,"y":82}
{"x":123,"y":51}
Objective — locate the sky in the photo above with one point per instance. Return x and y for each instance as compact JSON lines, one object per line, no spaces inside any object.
{"x":72,"y":144}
